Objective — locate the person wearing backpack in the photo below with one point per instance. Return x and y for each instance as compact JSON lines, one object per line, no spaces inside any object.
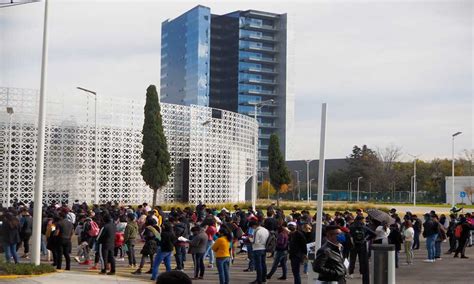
{"x":281,"y":253}
{"x":151,"y":235}
{"x":450,"y":233}
{"x":130,"y":234}
{"x":360,"y":235}
{"x":462,"y":232}
{"x":26,"y":225}
{"x":180,"y":230}
{"x":259,"y":251}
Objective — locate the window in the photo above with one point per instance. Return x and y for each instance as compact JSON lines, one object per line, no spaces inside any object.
{"x":206,"y":18}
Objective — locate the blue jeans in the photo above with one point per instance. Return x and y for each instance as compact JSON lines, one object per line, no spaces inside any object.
{"x":430,"y":245}
{"x":10,"y":250}
{"x":259,"y":257}
{"x":161,"y":257}
{"x":280,"y":259}
{"x":438,"y":249}
{"x":250,"y":256}
{"x":209,"y":252}
{"x":223,"y":269}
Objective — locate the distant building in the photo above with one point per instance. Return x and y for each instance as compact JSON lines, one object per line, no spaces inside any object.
{"x":226,"y":62}
{"x":463,"y":186}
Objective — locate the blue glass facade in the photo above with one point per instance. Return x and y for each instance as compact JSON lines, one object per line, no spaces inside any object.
{"x":246,"y":63}
{"x":185,"y":58}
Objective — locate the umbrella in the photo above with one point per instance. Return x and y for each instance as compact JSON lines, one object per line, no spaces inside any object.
{"x":380,"y":216}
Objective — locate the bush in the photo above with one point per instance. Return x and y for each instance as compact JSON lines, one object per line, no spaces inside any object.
{"x":24,"y":269}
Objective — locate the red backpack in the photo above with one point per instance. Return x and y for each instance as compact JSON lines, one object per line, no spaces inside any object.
{"x":94,"y":229}
{"x":458,"y":231}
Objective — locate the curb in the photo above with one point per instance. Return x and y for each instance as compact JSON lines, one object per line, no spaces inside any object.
{"x":17,"y":276}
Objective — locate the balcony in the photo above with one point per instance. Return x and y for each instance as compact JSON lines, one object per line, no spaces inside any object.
{"x":262,"y":114}
{"x":259,"y":92}
{"x":264,"y":136}
{"x":258,"y":27}
{"x":259,"y":48}
{"x":267,"y":125}
{"x":259,"y":81}
{"x":256,"y":70}
{"x":259,"y":59}
{"x":261,"y":38}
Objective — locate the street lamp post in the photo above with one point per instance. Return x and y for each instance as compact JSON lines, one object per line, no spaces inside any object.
{"x":298,"y":183}
{"x":257,"y":106}
{"x":96,"y":152}
{"x":310,"y":189}
{"x":415,"y":157}
{"x":307,"y":179}
{"x":10,"y":113}
{"x":203,"y":164}
{"x":358,"y":186}
{"x":452,"y":178}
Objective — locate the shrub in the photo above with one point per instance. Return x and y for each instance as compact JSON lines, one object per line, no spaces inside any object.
{"x":24,"y":269}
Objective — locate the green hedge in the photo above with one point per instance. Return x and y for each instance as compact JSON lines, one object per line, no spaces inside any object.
{"x":24,"y":269}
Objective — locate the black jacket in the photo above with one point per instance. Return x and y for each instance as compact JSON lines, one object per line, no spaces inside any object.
{"x":430,"y":228}
{"x":369,"y":234}
{"x":297,"y":244}
{"x":107,"y":235}
{"x":329,"y":263}
{"x":167,"y":241}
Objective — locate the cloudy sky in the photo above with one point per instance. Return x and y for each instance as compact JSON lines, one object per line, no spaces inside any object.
{"x":392,"y":72}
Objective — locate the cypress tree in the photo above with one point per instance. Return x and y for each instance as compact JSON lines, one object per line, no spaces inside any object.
{"x":279,"y":173}
{"x":156,"y":166}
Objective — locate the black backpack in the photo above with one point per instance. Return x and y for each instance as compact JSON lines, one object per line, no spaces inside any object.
{"x":271,"y":243}
{"x":358,"y":235}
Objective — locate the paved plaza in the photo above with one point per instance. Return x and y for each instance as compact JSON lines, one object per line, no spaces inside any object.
{"x":448,"y":270}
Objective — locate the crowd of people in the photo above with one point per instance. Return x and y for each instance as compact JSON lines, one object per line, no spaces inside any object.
{"x":150,"y":237}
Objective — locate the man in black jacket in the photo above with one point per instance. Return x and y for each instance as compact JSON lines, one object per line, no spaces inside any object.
{"x":297,"y":250}
{"x":106,"y":240}
{"x":360,"y":234}
{"x":329,"y":262}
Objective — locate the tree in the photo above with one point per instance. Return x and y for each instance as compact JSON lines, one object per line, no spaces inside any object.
{"x":467,"y":161}
{"x":363,"y":162}
{"x":266,"y":189}
{"x":156,"y":166}
{"x":278,"y":170}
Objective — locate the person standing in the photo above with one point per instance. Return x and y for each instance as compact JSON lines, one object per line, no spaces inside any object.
{"x":164,"y":251}
{"x":395,"y":238}
{"x":106,"y":241}
{"x":26,"y":225}
{"x":151,"y":235}
{"x":130,"y":234}
{"x":63,"y":233}
{"x":408,"y":234}
{"x":281,"y":253}
{"x":462,"y":232}
{"x":180,"y":230}
{"x":10,"y":235}
{"x":360,"y":234}
{"x":381,"y":234}
{"x":197,"y":248}
{"x":430,"y":233}
{"x":222,"y":250}
{"x":296,"y":250}
{"x":450,"y":234}
{"x":417,"y":225}
{"x":329,"y":262}
{"x":259,"y":240}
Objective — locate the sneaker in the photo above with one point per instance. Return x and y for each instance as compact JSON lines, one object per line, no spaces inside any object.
{"x":111,"y":273}
{"x":148,"y":272}
{"x":281,"y":278}
{"x":463,"y":256}
{"x":102,"y":272}
{"x":438,"y":258}
{"x":86,"y":262}
{"x":76,"y":258}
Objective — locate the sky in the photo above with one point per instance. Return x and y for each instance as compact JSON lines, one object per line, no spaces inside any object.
{"x":392,"y":72}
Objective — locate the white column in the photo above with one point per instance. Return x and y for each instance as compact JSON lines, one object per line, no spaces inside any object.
{"x":9,"y":160}
{"x":96,"y":160}
{"x":38,"y":193}
{"x":320,"y":204}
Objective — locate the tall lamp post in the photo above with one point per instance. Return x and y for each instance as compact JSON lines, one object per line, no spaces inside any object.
{"x":310,"y":189}
{"x":415,"y":157}
{"x":307,"y":179}
{"x":96,"y":152}
{"x":10,"y":114}
{"x":358,"y":186}
{"x":257,"y":106}
{"x":452,"y":178}
{"x":203,"y":164}
{"x":298,"y":183}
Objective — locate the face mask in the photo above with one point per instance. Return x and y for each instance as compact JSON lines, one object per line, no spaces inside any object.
{"x":341,"y":238}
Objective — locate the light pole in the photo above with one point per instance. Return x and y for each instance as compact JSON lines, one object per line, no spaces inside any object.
{"x":203,"y":164}
{"x":257,"y":106}
{"x":452,"y":178}
{"x":96,"y":152}
{"x":10,"y":114}
{"x":358,"y":186}
{"x":39,"y":171}
{"x":307,"y":179}
{"x":415,"y":157}
{"x":298,"y":183}
{"x":310,"y":189}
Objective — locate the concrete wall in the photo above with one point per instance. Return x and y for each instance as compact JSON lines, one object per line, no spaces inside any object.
{"x":461,"y":183}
